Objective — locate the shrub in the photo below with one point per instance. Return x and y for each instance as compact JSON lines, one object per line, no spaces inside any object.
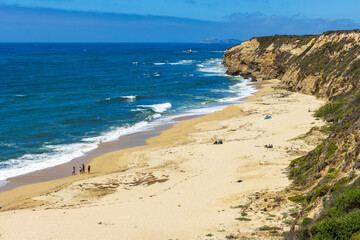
{"x":297,"y":198}
{"x":341,"y":183}
{"x":328,"y":108}
{"x":345,"y":202}
{"x":321,"y":191}
{"x":337,"y":228}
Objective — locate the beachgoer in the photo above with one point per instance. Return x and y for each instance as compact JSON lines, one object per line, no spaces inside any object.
{"x":89,"y":169}
{"x":220,"y":142}
{"x":83,"y":168}
{"x":80,"y":169}
{"x":216,"y":142}
{"x":73,"y":171}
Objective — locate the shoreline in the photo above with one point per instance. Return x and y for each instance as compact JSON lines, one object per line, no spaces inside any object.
{"x":123,"y":142}
{"x":64,"y":170}
{"x":179,"y":185}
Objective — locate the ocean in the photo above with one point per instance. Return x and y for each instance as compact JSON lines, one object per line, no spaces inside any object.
{"x":58,"y":101}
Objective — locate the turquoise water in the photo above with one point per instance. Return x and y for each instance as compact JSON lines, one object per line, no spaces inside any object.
{"x":59,"y":101}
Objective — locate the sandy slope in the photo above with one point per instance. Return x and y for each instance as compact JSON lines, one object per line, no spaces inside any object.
{"x":180,"y":186}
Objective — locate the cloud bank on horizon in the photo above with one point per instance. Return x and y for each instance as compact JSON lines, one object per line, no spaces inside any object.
{"x":39,"y":24}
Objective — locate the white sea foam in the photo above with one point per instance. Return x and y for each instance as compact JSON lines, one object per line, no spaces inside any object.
{"x":132,"y":97}
{"x":157,"y":107}
{"x":212,"y":67}
{"x":241,"y":91}
{"x":32,"y":162}
{"x":64,"y":153}
{"x":159,"y":63}
{"x":152,"y":117}
{"x":128,"y":98}
{"x":182,"y":62}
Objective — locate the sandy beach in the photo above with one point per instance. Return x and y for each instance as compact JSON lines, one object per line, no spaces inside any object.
{"x":180,"y":185}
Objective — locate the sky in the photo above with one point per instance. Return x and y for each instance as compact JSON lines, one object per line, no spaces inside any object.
{"x":169,"y":20}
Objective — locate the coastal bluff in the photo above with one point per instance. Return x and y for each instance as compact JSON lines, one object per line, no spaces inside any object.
{"x":326,"y":182}
{"x":322,"y":65}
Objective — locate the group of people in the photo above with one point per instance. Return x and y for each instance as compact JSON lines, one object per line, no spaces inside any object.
{"x":81,"y":169}
{"x":218,"y":142}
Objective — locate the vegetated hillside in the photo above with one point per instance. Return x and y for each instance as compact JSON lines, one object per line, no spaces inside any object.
{"x":326,"y":179}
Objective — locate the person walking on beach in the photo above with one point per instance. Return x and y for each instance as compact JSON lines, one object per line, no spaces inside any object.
{"x":73,"y":171}
{"x":89,"y":169}
{"x":83,"y":168}
{"x":80,"y":169}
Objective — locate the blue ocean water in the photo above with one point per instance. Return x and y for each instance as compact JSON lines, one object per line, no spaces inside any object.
{"x":59,"y":101}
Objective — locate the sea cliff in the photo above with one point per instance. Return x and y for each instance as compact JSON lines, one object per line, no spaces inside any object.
{"x":324,"y":65}
{"x":326,"y":180}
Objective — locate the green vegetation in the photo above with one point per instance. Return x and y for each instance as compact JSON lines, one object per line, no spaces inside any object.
{"x":345,"y":202}
{"x":341,"y":183}
{"x":331,"y":150}
{"x":243,"y":219}
{"x":355,"y":236}
{"x":340,"y":219}
{"x":297,"y":198}
{"x":265,"y":228}
{"x":338,"y":227}
{"x":279,"y":40}
{"x":306,"y":221}
{"x":330,"y":107}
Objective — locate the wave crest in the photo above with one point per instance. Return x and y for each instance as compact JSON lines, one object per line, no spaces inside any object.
{"x":159,"y":108}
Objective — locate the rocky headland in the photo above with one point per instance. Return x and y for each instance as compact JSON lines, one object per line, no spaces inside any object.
{"x":326,"y":182}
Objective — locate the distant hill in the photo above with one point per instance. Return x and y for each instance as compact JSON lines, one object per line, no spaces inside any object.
{"x":233,"y":41}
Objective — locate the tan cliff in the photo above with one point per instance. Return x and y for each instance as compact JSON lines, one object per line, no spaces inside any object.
{"x":327,"y":178}
{"x":325,"y":65}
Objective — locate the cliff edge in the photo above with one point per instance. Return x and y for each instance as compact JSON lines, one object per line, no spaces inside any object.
{"x":324,"y":65}
{"x":326,"y":182}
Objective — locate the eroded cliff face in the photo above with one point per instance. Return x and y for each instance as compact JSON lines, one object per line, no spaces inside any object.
{"x":325,"y":65}
{"x":327,"y":177}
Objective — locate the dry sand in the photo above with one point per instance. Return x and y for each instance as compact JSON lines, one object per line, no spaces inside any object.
{"x":180,"y":185}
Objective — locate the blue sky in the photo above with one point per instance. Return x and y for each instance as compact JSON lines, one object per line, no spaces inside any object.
{"x":169,"y":20}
